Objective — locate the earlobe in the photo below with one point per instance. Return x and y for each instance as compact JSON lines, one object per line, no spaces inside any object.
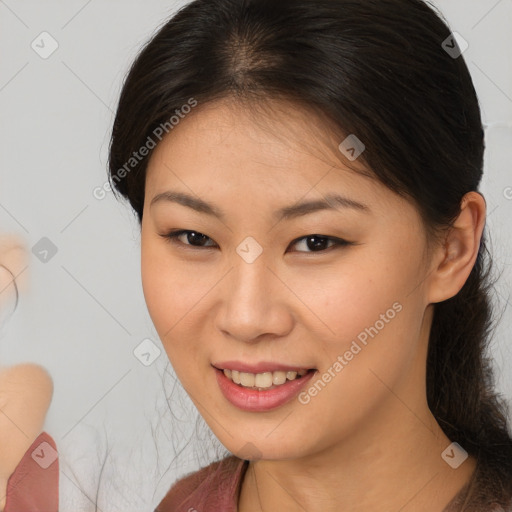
{"x":456,"y":257}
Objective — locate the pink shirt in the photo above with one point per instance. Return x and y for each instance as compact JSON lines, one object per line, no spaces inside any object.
{"x":34,"y":484}
{"x":216,"y":488}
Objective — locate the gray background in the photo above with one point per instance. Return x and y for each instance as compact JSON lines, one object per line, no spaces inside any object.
{"x":85,"y":313}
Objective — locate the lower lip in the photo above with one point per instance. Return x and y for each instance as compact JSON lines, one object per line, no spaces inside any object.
{"x":258,"y":401}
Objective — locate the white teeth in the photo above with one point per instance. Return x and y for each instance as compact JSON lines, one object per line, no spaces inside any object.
{"x":278,"y":378}
{"x":263,"y":380}
{"x":247,"y":379}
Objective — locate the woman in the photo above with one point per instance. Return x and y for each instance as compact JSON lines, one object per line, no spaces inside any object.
{"x":29,"y":466}
{"x":306,"y":176}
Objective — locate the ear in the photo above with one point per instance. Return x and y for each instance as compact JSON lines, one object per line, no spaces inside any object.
{"x":454,"y":259}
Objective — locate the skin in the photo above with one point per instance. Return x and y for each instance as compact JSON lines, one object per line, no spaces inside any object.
{"x":368,"y":440}
{"x":25,"y":389}
{"x":13,"y":255}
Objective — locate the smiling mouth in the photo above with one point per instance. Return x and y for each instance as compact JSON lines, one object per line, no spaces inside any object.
{"x":265,"y":380}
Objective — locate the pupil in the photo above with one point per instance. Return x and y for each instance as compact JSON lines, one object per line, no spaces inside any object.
{"x":195,"y":236}
{"x":319,"y":245}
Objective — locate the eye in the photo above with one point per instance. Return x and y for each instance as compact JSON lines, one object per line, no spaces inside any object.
{"x":196,"y":240}
{"x":319,"y":243}
{"x":192,"y":238}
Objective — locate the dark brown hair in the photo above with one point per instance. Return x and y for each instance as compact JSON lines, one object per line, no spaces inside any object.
{"x":378,"y":69}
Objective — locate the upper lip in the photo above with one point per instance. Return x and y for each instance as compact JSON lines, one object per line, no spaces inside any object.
{"x":261,"y":367}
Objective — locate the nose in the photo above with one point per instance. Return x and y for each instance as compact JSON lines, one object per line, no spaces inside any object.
{"x":255,"y":303}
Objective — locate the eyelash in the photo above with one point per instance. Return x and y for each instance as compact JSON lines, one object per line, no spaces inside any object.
{"x":172,"y":236}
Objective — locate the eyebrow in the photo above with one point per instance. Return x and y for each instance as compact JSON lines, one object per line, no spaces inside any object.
{"x":330,"y":202}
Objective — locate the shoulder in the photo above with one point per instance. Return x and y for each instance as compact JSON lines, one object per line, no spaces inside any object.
{"x":213,"y":487}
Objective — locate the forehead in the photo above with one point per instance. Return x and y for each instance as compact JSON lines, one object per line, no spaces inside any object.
{"x":280,"y":151}
{"x":275,"y":136}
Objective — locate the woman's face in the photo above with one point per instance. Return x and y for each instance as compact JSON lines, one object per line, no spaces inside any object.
{"x":252,"y":288}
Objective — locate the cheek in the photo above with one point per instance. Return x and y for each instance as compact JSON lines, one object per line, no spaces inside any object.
{"x":167,"y":287}
{"x":164,"y":289}
{"x":368,"y":313}
{"x":350,"y":298}
{"x":168,"y":306}
{"x":173,"y":296}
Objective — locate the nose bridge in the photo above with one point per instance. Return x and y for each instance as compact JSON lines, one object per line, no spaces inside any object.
{"x":253,"y":303}
{"x":251,"y":274}
{"x":251,"y":283}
